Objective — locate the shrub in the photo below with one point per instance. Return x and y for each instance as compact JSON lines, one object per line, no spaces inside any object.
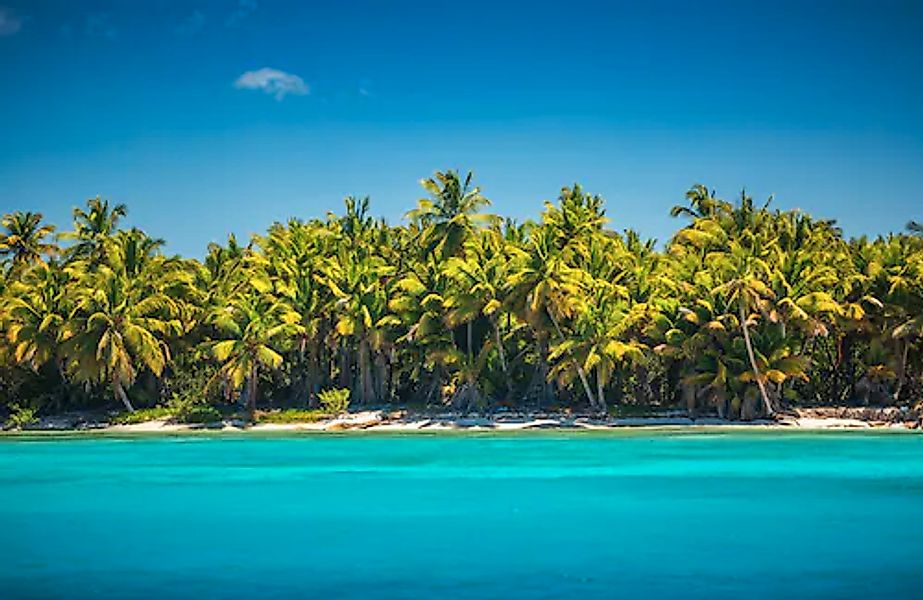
{"x":201,"y":413}
{"x":141,"y":416}
{"x":21,"y":416}
{"x":335,"y":401}
{"x":292,"y":415}
{"x":193,"y":409}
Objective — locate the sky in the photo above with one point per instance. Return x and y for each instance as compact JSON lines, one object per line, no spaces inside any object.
{"x":214,"y":116}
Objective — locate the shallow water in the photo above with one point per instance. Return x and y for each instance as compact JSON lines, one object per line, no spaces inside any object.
{"x":529,"y":515}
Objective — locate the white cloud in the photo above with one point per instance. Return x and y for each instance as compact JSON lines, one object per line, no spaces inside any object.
{"x":272,"y":81}
{"x":244,"y":9}
{"x":191,"y":25}
{"x":10,"y":23}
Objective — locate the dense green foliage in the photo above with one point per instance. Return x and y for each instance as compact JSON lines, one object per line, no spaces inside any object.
{"x":745,"y":311}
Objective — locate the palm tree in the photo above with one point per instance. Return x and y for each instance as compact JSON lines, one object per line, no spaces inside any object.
{"x":124,"y":314}
{"x":92,"y":227}
{"x":478,"y":278}
{"x":575,"y":220}
{"x":703,"y":204}
{"x":23,"y":240}
{"x":450,"y":214}
{"x":898,"y":283}
{"x":358,"y":285}
{"x":223,"y":272}
{"x":744,"y":287}
{"x":602,"y":341}
{"x":289,"y":265}
{"x":36,"y":310}
{"x":254,"y":328}
{"x":745,"y":308}
{"x":466,"y":387}
{"x":543,"y":287}
{"x":417,"y":299}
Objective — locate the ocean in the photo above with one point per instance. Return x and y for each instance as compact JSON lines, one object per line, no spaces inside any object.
{"x":545,"y":514}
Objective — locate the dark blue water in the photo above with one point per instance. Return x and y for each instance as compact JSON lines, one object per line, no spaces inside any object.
{"x":539,"y":515}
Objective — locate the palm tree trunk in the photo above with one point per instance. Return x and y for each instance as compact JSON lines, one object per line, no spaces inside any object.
{"x":540,"y":376}
{"x":469,"y":339}
{"x":600,"y":396}
{"x":344,"y":375}
{"x":63,"y":397}
{"x":756,"y":370}
{"x":642,"y":386}
{"x":120,"y":394}
{"x":580,"y":371}
{"x":366,"y":391}
{"x":435,"y":384}
{"x":251,"y":389}
{"x":500,"y":346}
{"x":382,"y":377}
{"x":902,"y":372}
{"x":302,"y":385}
{"x":689,"y":396}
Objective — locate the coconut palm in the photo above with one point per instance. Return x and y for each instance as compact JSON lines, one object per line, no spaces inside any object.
{"x":289,"y":264}
{"x":360,"y":308}
{"x":450,"y":214}
{"x":35,"y":311}
{"x":745,"y":309}
{"x":744,"y":272}
{"x":602,"y":342}
{"x":92,"y":227}
{"x":545,"y":289}
{"x":478,"y":277}
{"x":253,"y":330}
{"x":22,"y":242}
{"x":123,"y":315}
{"x":417,"y":299}
{"x":703,"y":204}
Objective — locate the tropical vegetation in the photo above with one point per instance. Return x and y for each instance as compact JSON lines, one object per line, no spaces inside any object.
{"x":745,"y":311}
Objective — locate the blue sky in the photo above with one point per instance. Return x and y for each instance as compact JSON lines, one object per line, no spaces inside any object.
{"x":212,"y":116}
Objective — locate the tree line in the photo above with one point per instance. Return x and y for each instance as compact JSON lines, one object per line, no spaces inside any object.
{"x":745,"y":311}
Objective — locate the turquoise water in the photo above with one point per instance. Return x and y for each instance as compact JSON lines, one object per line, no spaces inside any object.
{"x":538,"y":515}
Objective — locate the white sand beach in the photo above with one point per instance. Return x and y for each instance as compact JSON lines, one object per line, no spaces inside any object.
{"x":401,"y":421}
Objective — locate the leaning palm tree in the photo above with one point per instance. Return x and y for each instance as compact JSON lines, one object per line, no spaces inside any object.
{"x":745,"y":287}
{"x":23,"y":241}
{"x":543,"y":288}
{"x":603,"y":341}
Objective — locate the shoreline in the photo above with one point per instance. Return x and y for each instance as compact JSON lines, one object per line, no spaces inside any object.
{"x":401,"y":422}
